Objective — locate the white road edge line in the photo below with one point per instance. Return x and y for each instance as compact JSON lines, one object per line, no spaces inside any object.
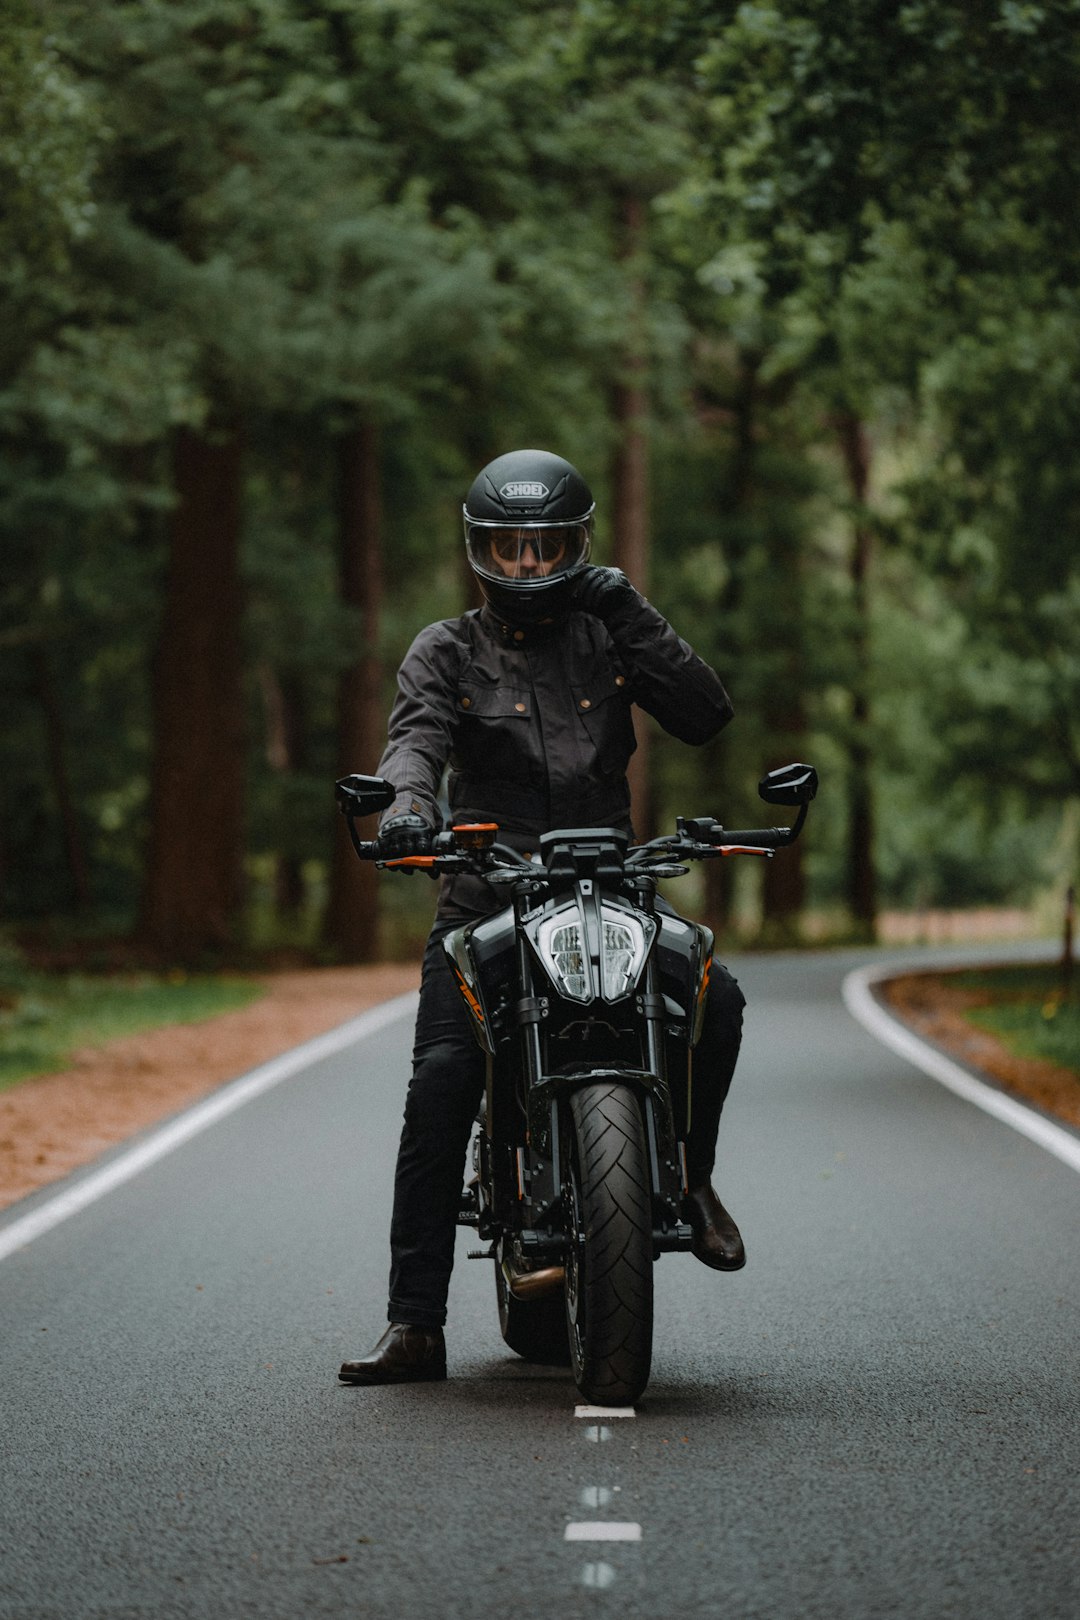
{"x":861,"y":1005}
{"x":198,"y":1118}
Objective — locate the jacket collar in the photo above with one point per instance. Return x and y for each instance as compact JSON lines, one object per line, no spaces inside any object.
{"x":518,"y":635}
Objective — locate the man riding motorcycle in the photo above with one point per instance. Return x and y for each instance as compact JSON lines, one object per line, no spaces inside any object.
{"x":528,"y":699}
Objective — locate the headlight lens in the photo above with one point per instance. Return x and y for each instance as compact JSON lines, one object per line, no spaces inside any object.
{"x":621,"y":956}
{"x":563,"y":947}
{"x":561,"y":941}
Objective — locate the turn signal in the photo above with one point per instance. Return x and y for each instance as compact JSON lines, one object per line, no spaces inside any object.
{"x":475,"y":834}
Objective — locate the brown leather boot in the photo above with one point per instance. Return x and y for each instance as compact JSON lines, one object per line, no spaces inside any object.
{"x":717,"y":1240}
{"x":404,"y":1355}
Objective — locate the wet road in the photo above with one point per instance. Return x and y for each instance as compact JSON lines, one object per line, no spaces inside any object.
{"x":880,"y":1416}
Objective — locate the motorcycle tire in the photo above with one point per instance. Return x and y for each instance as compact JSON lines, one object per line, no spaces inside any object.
{"x":535,"y":1329}
{"x":609,"y":1265}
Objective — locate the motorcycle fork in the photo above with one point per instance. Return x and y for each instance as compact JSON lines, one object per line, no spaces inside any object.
{"x":666,"y":1154}
{"x":539,"y":1168}
{"x":538,"y":1152}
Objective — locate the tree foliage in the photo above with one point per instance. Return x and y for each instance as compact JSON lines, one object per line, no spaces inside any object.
{"x":281,"y":223}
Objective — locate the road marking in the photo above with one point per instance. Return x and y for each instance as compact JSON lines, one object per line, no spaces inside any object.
{"x":597,"y":1432}
{"x":861,"y":1005}
{"x":604,"y":1412}
{"x":602,"y":1530}
{"x":598,"y":1575}
{"x":595,"y":1496}
{"x":204,"y":1114}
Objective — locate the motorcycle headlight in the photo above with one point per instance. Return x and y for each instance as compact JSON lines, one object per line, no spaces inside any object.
{"x":562,"y":944}
{"x":622,"y":953}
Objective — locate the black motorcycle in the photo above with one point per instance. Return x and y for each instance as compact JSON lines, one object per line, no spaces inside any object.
{"x":588,"y":1000}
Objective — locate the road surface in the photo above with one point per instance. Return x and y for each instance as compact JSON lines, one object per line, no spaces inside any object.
{"x":880,"y":1416}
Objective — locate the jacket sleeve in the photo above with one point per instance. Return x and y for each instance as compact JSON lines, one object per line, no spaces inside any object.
{"x":419,"y":731}
{"x":666,"y":677}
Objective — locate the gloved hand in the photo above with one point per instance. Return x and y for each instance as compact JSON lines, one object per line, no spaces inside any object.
{"x":603,"y":592}
{"x":404,"y":835}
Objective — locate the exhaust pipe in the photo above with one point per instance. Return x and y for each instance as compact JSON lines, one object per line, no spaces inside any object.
{"x":534,"y":1284}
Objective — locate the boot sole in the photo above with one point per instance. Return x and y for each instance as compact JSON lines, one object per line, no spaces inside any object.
{"x":716,"y":1264}
{"x":406,"y":1375}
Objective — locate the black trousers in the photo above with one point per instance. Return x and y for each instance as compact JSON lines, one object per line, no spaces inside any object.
{"x":443,"y":1098}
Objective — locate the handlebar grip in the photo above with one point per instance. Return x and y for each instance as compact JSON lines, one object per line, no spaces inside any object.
{"x":763,"y":837}
{"x":365,"y":847}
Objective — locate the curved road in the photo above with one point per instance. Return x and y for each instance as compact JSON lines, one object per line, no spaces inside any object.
{"x":880,"y":1416}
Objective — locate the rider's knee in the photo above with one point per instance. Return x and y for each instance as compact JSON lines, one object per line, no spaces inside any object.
{"x":724,"y":1001}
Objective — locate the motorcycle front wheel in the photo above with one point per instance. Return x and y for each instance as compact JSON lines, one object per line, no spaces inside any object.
{"x":609,"y":1261}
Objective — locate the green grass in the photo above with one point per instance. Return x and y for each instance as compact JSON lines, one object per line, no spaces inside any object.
{"x":51,"y":1015}
{"x":1032,"y":1017}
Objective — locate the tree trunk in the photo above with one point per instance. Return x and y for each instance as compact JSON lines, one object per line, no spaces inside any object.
{"x":861,"y":875}
{"x":285,"y":713}
{"x":194,"y":881}
{"x":630,"y":476}
{"x":352,"y":919}
{"x":57,"y":752}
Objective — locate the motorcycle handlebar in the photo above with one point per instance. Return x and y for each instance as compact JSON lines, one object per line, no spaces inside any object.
{"x":447,"y":857}
{"x":757,"y":837}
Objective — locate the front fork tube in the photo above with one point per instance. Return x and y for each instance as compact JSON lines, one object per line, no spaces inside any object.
{"x":666,"y":1154}
{"x":542,"y":1204}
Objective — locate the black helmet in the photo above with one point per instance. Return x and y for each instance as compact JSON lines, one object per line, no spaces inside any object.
{"x":528,"y":527}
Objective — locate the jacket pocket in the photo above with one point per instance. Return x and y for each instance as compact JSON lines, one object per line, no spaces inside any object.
{"x":603,"y":707}
{"x":495,"y":737}
{"x":495,"y":703}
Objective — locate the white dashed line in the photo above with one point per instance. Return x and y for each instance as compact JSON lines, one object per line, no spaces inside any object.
{"x":604,"y":1412}
{"x":597,"y":1432}
{"x":599,"y":1576}
{"x":602,"y":1530}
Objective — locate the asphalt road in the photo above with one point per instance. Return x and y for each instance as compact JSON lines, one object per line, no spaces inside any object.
{"x":880,"y":1416}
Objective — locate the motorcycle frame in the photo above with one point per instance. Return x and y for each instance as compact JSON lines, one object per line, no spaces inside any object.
{"x":520,"y":1171}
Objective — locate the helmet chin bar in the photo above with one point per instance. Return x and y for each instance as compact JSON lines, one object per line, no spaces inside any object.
{"x":526,"y":602}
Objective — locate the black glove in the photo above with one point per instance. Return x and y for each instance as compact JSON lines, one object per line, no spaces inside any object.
{"x":404,"y":835}
{"x":603,"y":592}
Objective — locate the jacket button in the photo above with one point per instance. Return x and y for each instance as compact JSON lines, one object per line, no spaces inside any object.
{"x":519,"y":635}
{"x":585,"y":704}
{"x":465,"y":702}
{"x":620,"y":680}
{"x":520,"y":707}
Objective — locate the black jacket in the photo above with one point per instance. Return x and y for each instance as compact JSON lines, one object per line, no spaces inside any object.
{"x":535,"y":723}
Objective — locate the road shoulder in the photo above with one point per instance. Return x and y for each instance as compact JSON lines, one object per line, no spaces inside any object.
{"x":58,"y":1123}
{"x":931,"y":1006}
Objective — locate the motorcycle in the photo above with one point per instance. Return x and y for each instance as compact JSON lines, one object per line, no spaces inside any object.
{"x":587,"y":1000}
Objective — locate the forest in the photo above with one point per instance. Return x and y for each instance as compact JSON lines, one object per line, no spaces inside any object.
{"x":796,"y":286}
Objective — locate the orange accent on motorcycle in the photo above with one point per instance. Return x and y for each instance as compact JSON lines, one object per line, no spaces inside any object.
{"x":412,"y":860}
{"x":475,"y":834}
{"x":470,"y":999}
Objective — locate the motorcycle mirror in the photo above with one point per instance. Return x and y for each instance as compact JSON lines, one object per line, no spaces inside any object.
{"x":789,"y":784}
{"x":364,"y":795}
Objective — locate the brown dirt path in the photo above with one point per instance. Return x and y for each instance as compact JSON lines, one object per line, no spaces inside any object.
{"x":52,"y":1125}
{"x":930,"y":1005}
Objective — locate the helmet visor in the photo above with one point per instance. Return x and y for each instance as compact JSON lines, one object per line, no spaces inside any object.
{"x":526,"y":553}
